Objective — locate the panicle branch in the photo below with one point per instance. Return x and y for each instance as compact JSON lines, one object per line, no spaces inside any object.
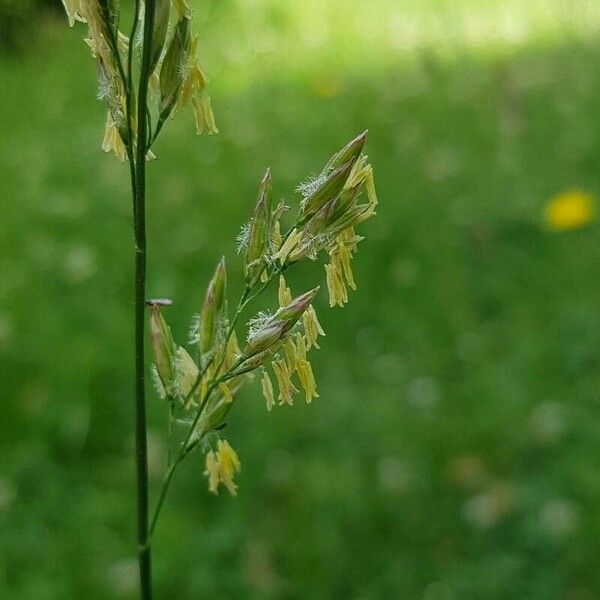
{"x":278,"y":341}
{"x":176,"y":78}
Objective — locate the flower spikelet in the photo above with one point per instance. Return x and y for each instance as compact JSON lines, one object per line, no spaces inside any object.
{"x":288,"y":245}
{"x":221,"y":467}
{"x":226,"y":393}
{"x":229,"y":464}
{"x":312,"y":327}
{"x":284,"y":293}
{"x":339,"y":271}
{"x":338,"y":295}
{"x":307,"y":380}
{"x":276,"y":237}
{"x":284,"y":382}
{"x":289,"y":351}
{"x":304,"y":369}
{"x":193,"y":88}
{"x":212,"y":472}
{"x":112,"y":139}
{"x":267,"y":389}
{"x":186,"y":373}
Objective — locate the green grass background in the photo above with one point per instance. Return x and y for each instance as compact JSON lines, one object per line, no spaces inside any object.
{"x":454,"y":453}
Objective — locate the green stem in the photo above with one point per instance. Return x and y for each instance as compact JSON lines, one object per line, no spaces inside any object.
{"x":170,"y":434}
{"x":141,"y":450}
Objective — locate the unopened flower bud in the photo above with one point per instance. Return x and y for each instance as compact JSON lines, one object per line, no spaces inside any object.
{"x":185,"y":374}
{"x":259,"y":227}
{"x":215,"y":414}
{"x":279,"y":324}
{"x":219,"y":283}
{"x":163,"y":347}
{"x":171,"y":73}
{"x":352,"y":217}
{"x":351,"y":151}
{"x":265,"y":337}
{"x":293,"y":311}
{"x":345,"y":201}
{"x":327,"y":191}
{"x":159,"y":31}
{"x":322,"y":217}
{"x":214,"y":301}
{"x":337,"y":214}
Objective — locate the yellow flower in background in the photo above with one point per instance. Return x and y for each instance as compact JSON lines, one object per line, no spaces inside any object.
{"x":569,"y":210}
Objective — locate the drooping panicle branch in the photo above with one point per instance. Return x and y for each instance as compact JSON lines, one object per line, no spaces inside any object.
{"x":279,"y":341}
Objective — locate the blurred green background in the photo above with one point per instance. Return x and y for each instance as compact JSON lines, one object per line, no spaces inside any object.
{"x":454,"y":453}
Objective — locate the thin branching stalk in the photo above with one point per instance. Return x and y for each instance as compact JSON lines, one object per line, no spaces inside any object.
{"x":141,"y":450}
{"x":249,"y":294}
{"x":186,"y":447}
